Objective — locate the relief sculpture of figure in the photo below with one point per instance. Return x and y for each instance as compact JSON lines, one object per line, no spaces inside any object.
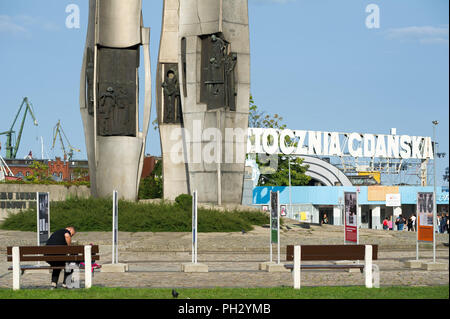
{"x":171,"y":98}
{"x":121,"y":112}
{"x":230,"y":92}
{"x":216,"y":79}
{"x":106,"y":109}
{"x":218,"y":73}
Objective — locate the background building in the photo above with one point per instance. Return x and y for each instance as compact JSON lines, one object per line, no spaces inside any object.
{"x":310,"y":203}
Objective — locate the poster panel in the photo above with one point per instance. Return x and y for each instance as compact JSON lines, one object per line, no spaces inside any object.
{"x":425,"y":217}
{"x":43,"y":218}
{"x":283,"y":210}
{"x":351,"y":220}
{"x":274,"y":217}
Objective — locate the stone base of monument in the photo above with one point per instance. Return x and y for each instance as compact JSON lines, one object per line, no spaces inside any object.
{"x":263,"y":266}
{"x":191,"y":267}
{"x":274,"y":267}
{"x":414,"y":264}
{"x":434,"y":266}
{"x":114,"y":268}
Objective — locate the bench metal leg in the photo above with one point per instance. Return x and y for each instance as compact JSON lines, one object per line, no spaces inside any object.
{"x":16,"y":268}
{"x":296,"y":270}
{"x":87,"y":266}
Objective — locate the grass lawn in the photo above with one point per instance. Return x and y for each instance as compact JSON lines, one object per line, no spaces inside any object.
{"x":355,"y":292}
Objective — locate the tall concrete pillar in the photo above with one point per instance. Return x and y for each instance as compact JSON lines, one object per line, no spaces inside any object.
{"x":168,"y":101}
{"x":214,"y":89}
{"x":109,"y":103}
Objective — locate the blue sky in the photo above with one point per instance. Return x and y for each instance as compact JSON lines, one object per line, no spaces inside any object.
{"x":314,"y":62}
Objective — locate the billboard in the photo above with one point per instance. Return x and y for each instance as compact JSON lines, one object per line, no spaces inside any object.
{"x":425,"y":218}
{"x":43,"y":218}
{"x":351,"y":217}
{"x":319,"y":143}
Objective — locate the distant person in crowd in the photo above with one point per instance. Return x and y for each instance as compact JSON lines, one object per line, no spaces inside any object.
{"x":385,"y":224}
{"x":390,"y":223}
{"x":400,"y":222}
{"x":442,"y":223}
{"x":413,"y":218}
{"x":324,"y":219}
{"x":447,"y":224}
{"x":61,"y":237}
{"x":438,"y":224}
{"x":410,"y":225}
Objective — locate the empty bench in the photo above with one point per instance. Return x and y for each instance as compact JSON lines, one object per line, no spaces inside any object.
{"x":298,"y":254}
{"x":67,"y":254}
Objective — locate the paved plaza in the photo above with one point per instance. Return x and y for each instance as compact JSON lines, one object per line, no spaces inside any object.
{"x":155,"y":259}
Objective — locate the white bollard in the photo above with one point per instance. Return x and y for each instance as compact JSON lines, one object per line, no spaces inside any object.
{"x":296,"y":271}
{"x":87,"y":266}
{"x":368,"y":266}
{"x":16,"y":268}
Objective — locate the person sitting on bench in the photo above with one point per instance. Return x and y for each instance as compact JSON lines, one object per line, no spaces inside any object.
{"x":60,"y":237}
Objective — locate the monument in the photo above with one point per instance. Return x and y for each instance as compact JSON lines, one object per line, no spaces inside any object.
{"x":109,"y":91}
{"x":203,"y":98}
{"x":169,"y":106}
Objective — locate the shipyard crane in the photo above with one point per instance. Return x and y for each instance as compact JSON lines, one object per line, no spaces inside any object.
{"x":11,"y":150}
{"x":57,"y":130}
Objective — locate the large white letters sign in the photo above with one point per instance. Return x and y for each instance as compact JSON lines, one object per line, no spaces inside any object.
{"x":299,"y":142}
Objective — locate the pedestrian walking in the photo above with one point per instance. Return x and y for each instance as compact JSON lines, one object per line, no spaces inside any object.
{"x":413,"y":218}
{"x":390,"y":223}
{"x":410,"y":224}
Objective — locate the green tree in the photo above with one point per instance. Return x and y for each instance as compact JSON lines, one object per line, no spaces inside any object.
{"x":275,"y":168}
{"x":152,"y":186}
{"x":260,"y":119}
{"x":280,"y":177}
{"x":40,"y":172}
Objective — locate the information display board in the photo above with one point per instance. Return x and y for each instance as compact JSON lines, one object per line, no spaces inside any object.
{"x":351,"y":217}
{"x":43,"y":218}
{"x":425,"y":217}
{"x":274,"y":217}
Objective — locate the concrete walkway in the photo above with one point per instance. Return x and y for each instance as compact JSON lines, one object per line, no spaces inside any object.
{"x":155,"y":259}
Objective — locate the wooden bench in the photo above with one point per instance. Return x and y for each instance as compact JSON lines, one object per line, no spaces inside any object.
{"x":67,"y":254}
{"x":298,"y":254}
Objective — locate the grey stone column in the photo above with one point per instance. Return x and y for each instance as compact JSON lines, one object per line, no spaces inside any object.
{"x":168,"y":101}
{"x":109,"y":94}
{"x":214,"y":68}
